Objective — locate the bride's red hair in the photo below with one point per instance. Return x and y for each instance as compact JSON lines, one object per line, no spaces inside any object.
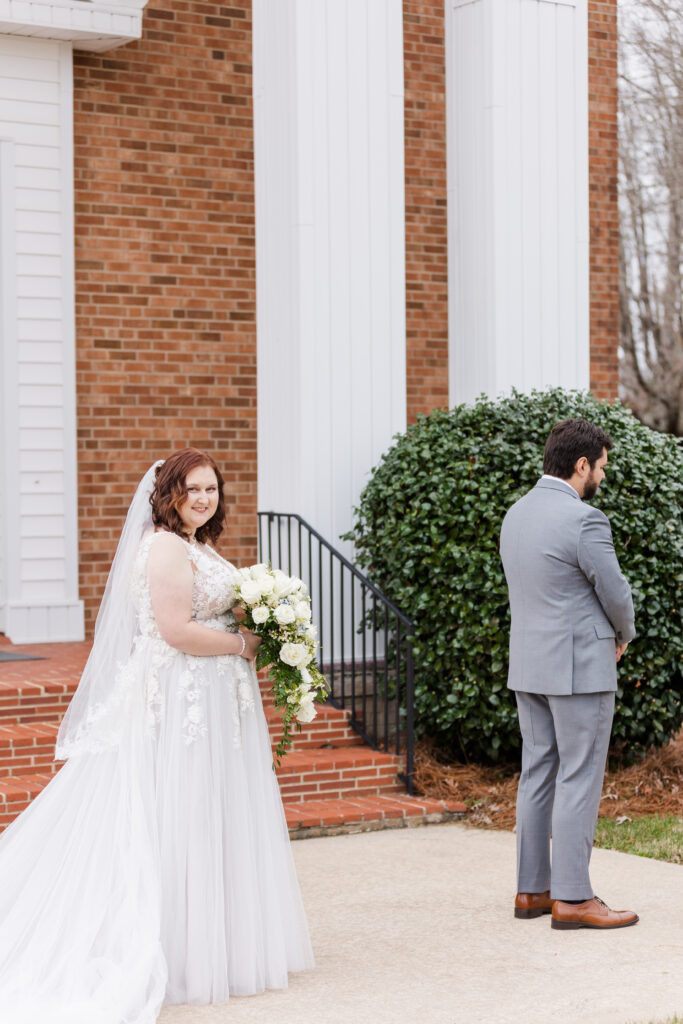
{"x":170,"y":492}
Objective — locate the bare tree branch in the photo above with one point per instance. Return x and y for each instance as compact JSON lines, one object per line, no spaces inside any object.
{"x":651,"y":212}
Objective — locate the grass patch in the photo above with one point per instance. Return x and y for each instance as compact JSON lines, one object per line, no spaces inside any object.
{"x":669,"y":1020}
{"x":660,"y":837}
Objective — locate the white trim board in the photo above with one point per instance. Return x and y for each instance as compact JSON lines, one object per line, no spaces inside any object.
{"x":95,"y":25}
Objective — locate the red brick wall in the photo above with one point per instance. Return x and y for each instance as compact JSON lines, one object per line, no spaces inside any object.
{"x":165,"y":269}
{"x":604,"y":212}
{"x":425,"y":200}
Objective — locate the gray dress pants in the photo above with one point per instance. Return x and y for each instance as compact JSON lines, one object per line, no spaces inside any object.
{"x":565,"y":744}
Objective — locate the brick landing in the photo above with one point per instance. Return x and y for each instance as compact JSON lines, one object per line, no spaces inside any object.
{"x":331,"y":782}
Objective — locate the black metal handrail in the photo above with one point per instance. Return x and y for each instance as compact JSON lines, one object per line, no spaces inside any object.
{"x":366,"y":652}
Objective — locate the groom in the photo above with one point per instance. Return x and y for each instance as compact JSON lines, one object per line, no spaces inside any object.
{"x":572,"y":619}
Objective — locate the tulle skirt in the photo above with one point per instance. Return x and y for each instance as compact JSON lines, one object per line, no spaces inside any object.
{"x":158,"y":872}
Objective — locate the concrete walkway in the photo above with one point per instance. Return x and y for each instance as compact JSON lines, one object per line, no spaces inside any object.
{"x":416,"y":926}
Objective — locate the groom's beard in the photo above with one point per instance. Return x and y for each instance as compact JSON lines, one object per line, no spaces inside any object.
{"x":590,"y":489}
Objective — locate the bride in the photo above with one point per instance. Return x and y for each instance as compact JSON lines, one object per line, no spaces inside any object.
{"x":155,"y":867}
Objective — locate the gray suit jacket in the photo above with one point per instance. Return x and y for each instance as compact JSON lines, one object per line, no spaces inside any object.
{"x":569,"y":601}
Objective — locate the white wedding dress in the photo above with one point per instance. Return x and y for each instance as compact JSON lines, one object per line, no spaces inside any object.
{"x":158,"y":869}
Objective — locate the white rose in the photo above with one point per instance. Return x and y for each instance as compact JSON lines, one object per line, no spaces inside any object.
{"x":243,"y":574}
{"x":283,"y":585}
{"x":260,"y":614}
{"x":303,"y":611}
{"x":267,"y":584}
{"x":284,"y":614}
{"x":298,"y":695}
{"x":311,"y":634}
{"x":305,"y":675}
{"x":293,"y":654}
{"x":250,"y":591}
{"x":306,"y":711}
{"x":257,"y":571}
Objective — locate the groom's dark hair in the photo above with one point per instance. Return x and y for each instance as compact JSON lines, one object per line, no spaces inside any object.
{"x":569,"y":441}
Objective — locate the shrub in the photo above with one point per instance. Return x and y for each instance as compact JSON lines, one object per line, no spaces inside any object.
{"x":427,"y":532}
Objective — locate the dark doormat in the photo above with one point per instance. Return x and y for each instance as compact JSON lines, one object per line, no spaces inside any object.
{"x":12,"y":656}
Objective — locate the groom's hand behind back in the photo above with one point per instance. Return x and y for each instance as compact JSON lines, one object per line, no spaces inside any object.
{"x":621,"y":649}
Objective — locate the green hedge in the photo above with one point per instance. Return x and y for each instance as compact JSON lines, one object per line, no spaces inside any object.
{"x":427,"y":531}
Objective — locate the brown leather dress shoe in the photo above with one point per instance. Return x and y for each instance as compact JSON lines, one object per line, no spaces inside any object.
{"x":590,"y":914}
{"x":532,"y":904}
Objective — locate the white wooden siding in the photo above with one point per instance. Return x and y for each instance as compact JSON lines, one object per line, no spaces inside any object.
{"x":328,"y":91}
{"x":39,"y":516}
{"x":9,"y":511}
{"x":517,"y":113}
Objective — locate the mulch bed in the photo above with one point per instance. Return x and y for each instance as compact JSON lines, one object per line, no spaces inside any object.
{"x":652,"y":786}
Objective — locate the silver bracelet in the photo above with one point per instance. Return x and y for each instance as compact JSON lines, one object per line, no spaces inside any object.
{"x":244,"y":644}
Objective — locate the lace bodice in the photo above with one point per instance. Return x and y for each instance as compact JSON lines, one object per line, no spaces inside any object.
{"x":212,"y":593}
{"x":212,"y":598}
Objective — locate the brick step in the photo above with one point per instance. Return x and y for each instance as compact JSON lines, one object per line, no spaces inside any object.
{"x":359,"y":814}
{"x":330,"y":728}
{"x":24,"y":701}
{"x":33,"y":691}
{"x":304,"y":818}
{"x":41,"y":690}
{"x":31,"y":695}
{"x":16,"y":794}
{"x":338,"y":772}
{"x":345,"y":772}
{"x":27,"y":748}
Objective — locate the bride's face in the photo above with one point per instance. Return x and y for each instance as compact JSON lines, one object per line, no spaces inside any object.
{"x":202,"y":498}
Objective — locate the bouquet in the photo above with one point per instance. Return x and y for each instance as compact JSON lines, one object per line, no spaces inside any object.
{"x":278,"y":610}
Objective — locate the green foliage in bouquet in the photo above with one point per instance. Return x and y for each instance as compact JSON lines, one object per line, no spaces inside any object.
{"x":427,"y":532}
{"x":286,"y":688}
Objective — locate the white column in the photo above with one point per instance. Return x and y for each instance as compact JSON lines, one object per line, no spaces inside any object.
{"x":38,"y":465}
{"x":517,"y":114}
{"x":328,"y":91}
{"x":10,"y":571}
{"x":38,"y":478}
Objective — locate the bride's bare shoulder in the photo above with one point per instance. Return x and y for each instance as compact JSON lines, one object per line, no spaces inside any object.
{"x":167,"y":536}
{"x":166,"y":545}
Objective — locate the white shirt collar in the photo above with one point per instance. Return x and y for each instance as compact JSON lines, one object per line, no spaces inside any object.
{"x":548,"y":476}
